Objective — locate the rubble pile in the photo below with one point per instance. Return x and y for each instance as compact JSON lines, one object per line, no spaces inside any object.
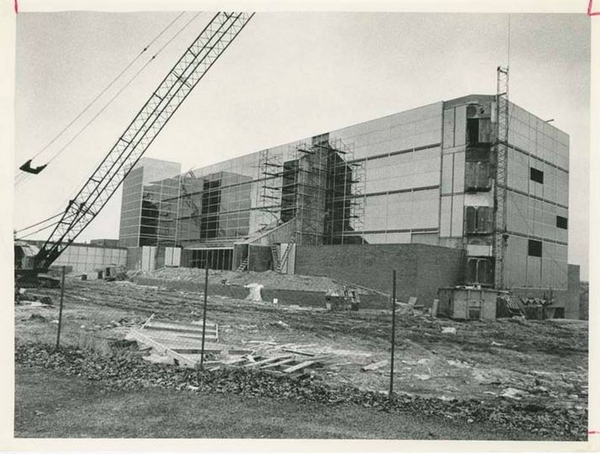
{"x":127,"y":371}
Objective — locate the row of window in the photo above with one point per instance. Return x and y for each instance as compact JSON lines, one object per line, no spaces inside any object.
{"x":479,"y":220}
{"x":478,"y":175}
{"x":480,"y":270}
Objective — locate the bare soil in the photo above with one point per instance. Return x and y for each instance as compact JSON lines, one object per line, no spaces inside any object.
{"x":539,"y":361}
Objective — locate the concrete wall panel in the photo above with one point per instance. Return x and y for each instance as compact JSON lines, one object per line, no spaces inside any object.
{"x":421,"y":268}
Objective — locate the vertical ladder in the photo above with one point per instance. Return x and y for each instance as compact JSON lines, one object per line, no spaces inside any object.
{"x":502,"y":118}
{"x":285,"y":255}
{"x":275,"y":254}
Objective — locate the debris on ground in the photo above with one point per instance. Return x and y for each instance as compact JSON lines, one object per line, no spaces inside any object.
{"x":375,"y":366}
{"x":545,"y":359}
{"x":119,"y":373}
{"x":176,"y":342}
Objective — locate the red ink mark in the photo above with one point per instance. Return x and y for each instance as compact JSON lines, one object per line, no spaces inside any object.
{"x":593,"y":432}
{"x":17,"y":6}
{"x":589,"y":10}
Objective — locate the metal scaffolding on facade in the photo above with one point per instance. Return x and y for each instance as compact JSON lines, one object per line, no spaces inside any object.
{"x":501,"y":145}
{"x":320,"y":185}
{"x":269,"y":192}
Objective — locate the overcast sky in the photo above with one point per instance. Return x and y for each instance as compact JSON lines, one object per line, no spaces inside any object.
{"x":287,"y":76}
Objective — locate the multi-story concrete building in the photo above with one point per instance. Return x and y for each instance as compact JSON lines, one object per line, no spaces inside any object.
{"x":424,"y":176}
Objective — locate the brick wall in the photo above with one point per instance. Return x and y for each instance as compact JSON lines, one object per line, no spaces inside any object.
{"x":421,"y":269}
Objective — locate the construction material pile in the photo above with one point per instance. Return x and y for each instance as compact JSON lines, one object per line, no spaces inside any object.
{"x":127,"y":372}
{"x":268,"y":279}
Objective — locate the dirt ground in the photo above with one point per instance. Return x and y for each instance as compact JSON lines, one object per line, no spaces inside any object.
{"x":269,"y":279}
{"x":544,"y":362}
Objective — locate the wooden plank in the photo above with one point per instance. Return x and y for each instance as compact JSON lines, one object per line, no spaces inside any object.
{"x":375,"y":365}
{"x":194,"y":324}
{"x":280,"y":363}
{"x":175,"y":329}
{"x":182,"y":359}
{"x":289,"y":370}
{"x":154,"y":324}
{"x":229,"y":362}
{"x":198,"y":350}
{"x":148,"y":321}
{"x":268,"y":360}
{"x":170,"y":338}
{"x":207,"y":337}
{"x":297,"y":352}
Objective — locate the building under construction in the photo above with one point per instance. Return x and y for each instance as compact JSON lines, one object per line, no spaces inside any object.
{"x":468,"y":191}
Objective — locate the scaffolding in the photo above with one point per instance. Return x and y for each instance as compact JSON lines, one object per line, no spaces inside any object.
{"x":319,"y":185}
{"x":501,"y":144}
{"x":269,"y":192}
{"x":346,"y":205}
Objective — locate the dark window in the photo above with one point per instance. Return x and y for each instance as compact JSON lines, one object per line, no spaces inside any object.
{"x":561,"y":222}
{"x":480,"y":271}
{"x":477,"y":176}
{"x":536,"y":175}
{"x":321,"y":139}
{"x":479,"y":220}
{"x":472,"y":131}
{"x":211,"y":205}
{"x":559,"y":312}
{"x":535,"y":248}
{"x":471,"y":214}
{"x":485,"y":130}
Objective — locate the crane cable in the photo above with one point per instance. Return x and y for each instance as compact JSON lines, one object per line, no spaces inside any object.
{"x":104,"y":108}
{"x":102,"y":92}
{"x":123,"y":88}
{"x":38,"y":223}
{"x":40,"y":230}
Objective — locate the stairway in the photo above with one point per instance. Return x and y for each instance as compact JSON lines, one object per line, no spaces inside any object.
{"x":275,"y":255}
{"x":285,"y":255}
{"x":243,"y":265}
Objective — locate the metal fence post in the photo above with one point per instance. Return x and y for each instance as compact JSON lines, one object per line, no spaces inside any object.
{"x":204,"y":318}
{"x":393,"y":340}
{"x":60,"y":310}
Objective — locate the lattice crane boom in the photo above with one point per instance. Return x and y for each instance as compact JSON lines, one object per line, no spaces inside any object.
{"x":141,"y":132}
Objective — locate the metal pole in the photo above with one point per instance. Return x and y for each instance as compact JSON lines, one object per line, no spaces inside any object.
{"x":62,"y":297}
{"x":204,"y":317}
{"x":393,"y":332}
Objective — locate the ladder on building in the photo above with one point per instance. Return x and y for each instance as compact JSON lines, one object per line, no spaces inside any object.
{"x":502,"y":118}
{"x":275,"y":255}
{"x":285,"y":255}
{"x":243,"y":265}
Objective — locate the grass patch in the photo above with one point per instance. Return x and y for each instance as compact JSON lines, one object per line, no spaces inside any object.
{"x":49,"y":405}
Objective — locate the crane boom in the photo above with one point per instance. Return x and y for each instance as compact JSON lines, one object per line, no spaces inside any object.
{"x":141,"y":132}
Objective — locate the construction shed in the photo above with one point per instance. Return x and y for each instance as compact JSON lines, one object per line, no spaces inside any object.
{"x":464,"y":303}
